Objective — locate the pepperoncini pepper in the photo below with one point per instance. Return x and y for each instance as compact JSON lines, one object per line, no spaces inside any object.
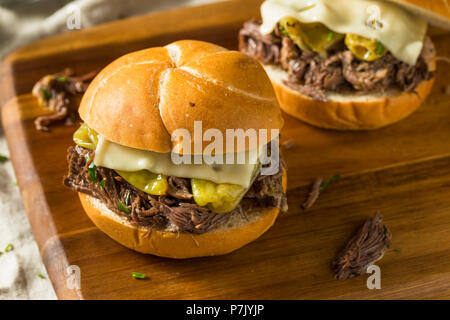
{"x":219,"y":198}
{"x":86,"y":137}
{"x":144,"y":180}
{"x":310,"y":36}
{"x":364,"y":48}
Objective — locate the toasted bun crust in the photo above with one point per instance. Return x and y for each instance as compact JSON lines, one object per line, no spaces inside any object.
{"x":140,"y":99}
{"x":435,"y":12}
{"x":349,"y":112}
{"x":227,"y":238}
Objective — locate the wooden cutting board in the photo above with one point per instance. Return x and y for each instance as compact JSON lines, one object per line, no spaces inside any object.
{"x":402,"y":170}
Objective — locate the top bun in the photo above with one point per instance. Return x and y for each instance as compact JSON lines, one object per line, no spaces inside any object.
{"x":140,"y":99}
{"x":435,"y":12}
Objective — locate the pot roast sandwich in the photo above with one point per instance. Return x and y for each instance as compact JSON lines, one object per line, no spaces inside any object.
{"x":122,"y":162}
{"x":346,"y":64}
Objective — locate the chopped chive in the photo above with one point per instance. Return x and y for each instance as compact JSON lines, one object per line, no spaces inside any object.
{"x":102,"y":183}
{"x":337,"y":176}
{"x":380,"y":48}
{"x":92,"y":170}
{"x":397,"y":250}
{"x":9,"y":247}
{"x":62,"y":79}
{"x":45,"y":93}
{"x":330,"y":35}
{"x":3,"y":158}
{"x":138,"y":275}
{"x":40,"y":275}
{"x":122,"y":207}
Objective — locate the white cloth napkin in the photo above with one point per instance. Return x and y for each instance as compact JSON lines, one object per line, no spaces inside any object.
{"x":22,"y":273}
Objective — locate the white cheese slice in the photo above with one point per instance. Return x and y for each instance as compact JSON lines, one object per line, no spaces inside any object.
{"x":114,"y":156}
{"x":398,"y":30}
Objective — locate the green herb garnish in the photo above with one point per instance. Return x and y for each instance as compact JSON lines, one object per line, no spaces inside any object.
{"x":62,"y":79}
{"x":9,"y":247}
{"x":397,"y":250}
{"x":330,"y":35}
{"x":40,"y":275}
{"x":138,"y":275}
{"x":337,"y":176}
{"x":92,"y":170}
{"x":123,"y":208}
{"x":283,"y":31}
{"x":380,"y":48}
{"x":45,"y":93}
{"x":3,"y":158}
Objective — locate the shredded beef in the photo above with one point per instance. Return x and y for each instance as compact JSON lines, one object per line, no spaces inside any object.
{"x":177,"y":211}
{"x":55,"y":91}
{"x":267,"y":191}
{"x":178,"y":188}
{"x":313,"y":194}
{"x":265,"y":48}
{"x":365,"y":248}
{"x":289,"y":52}
{"x":312,"y":74}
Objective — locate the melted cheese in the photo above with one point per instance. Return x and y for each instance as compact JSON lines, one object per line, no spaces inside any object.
{"x":400,"y":31}
{"x":114,"y":156}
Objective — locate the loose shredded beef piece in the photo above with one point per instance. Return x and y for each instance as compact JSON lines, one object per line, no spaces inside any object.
{"x":313,"y":194}
{"x":367,"y":246}
{"x":311,"y":74}
{"x":176,"y":212}
{"x":55,"y":91}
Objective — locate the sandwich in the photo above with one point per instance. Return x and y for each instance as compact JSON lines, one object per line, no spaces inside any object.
{"x":124,"y":161}
{"x":346,"y":64}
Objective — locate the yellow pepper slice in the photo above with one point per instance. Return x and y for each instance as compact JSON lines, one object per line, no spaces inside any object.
{"x":364,"y":48}
{"x":219,"y":198}
{"x":310,"y":36}
{"x":144,"y":180}
{"x":86,"y":137}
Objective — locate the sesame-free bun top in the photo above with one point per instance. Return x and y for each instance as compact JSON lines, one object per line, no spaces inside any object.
{"x":141,"y":98}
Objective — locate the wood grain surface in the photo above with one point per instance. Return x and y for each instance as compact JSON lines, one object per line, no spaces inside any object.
{"x":402,"y":170}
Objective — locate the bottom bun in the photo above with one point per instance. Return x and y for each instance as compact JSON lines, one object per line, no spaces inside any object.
{"x":236,"y":233}
{"x":346,"y":111}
